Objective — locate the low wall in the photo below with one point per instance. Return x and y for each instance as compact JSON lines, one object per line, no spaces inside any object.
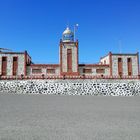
{"x":72,"y":87}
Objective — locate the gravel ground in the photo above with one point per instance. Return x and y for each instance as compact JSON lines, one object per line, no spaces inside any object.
{"x":51,"y":117}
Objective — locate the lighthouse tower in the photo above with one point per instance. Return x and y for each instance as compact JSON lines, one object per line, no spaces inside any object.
{"x":68,"y":54}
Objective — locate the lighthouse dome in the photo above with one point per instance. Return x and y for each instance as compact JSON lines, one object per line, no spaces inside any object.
{"x":68,"y":35}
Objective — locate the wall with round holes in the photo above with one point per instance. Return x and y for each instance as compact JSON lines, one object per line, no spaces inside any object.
{"x":72,"y":87}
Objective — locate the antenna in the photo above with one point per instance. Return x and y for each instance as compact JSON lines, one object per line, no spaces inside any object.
{"x":75,"y":29}
{"x":68,"y":23}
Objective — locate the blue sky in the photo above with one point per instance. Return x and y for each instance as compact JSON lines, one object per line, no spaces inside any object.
{"x":37,"y":26}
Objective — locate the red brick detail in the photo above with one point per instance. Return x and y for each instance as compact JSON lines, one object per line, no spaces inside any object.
{"x":138,"y":63}
{"x":60,"y":57}
{"x":15,"y":65}
{"x":68,"y":42}
{"x":93,"y":65}
{"x":126,"y":54}
{"x":77,"y":49}
{"x":70,"y":73}
{"x":110,"y":64}
{"x":50,"y":71}
{"x":100,"y":71}
{"x":129,"y":66}
{"x":86,"y":70}
{"x":36,"y":71}
{"x":120,"y":68}
{"x":45,"y":65}
{"x":25,"y":63}
{"x":69,"y":60}
{"x":4,"y":66}
{"x":12,"y":52}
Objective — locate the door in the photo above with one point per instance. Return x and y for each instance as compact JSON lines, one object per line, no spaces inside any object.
{"x":4,"y":66}
{"x":15,"y":65}
{"x":69,"y":60}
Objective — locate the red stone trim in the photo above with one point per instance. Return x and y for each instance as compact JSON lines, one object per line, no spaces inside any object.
{"x":60,"y":47}
{"x":69,"y":60}
{"x":127,"y":54}
{"x":110,"y":64}
{"x":12,"y":52}
{"x":70,"y":73}
{"x":138,"y":63}
{"x":63,"y":43}
{"x":77,"y":49}
{"x":120,"y":66}
{"x":25,"y":63}
{"x":2,"y":65}
{"x":45,"y":65}
{"x":93,"y":65}
{"x":69,"y":77}
{"x":129,"y":66}
{"x":16,"y":66}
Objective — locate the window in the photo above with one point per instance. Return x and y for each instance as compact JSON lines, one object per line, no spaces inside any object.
{"x":14,"y":58}
{"x":119,"y":59}
{"x":69,"y":60}
{"x":128,"y":59}
{"x":15,"y":65}
{"x":100,"y":70}
{"x":120,"y":67}
{"x":129,"y":66}
{"x":36,"y":70}
{"x":4,"y":66}
{"x":51,"y":71}
{"x":87,"y":70}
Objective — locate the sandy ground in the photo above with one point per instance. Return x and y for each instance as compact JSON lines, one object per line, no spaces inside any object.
{"x":51,"y":117}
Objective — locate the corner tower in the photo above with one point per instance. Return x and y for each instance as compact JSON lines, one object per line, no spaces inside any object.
{"x":68,"y":54}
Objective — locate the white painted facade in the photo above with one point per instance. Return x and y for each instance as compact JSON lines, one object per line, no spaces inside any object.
{"x":124,"y":57}
{"x":105,"y":60}
{"x":107,"y":66}
{"x":9,"y":56}
{"x":65,"y":47}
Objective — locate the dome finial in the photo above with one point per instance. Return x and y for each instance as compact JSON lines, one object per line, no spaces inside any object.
{"x":67,"y":25}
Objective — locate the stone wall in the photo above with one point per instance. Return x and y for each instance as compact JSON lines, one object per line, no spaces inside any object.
{"x":74,"y":57}
{"x":43,"y":71}
{"x":94,"y":68}
{"x":73,"y":87}
{"x":124,"y":64}
{"x":21,"y":61}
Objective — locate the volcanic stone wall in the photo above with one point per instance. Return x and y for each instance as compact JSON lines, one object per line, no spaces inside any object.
{"x":72,"y":87}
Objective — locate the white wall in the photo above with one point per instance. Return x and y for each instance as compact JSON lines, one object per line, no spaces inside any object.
{"x":74,"y":57}
{"x":107,"y":70}
{"x":21,"y":60}
{"x":125,"y":68}
{"x":105,"y":59}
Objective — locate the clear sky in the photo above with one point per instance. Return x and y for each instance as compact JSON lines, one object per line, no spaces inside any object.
{"x":37,"y":26}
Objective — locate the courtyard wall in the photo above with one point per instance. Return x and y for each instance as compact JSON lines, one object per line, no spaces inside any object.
{"x":97,"y":87}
